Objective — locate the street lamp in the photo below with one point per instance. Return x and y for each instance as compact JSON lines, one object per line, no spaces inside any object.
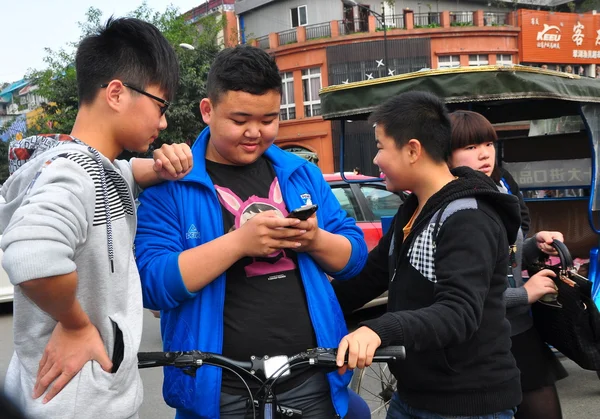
{"x":381,"y":17}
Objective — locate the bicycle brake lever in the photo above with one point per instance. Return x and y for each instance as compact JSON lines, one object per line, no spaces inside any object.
{"x":188,"y":364}
{"x":322,"y":356}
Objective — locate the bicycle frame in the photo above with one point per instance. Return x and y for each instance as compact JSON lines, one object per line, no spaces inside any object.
{"x":266,"y":370}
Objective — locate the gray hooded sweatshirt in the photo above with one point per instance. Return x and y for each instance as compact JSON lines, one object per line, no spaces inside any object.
{"x":71,"y":209}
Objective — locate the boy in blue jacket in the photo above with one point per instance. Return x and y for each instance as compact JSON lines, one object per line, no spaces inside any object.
{"x":228,"y":271}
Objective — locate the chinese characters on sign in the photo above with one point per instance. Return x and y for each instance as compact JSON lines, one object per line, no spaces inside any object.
{"x":549,"y":37}
{"x":577,"y":53}
{"x":551,"y":173}
{"x":578,"y":34}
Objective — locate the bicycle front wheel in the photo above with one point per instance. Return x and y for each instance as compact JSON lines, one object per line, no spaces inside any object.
{"x":376,"y":385}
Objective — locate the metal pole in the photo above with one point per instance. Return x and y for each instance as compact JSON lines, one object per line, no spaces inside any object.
{"x":385,"y":51}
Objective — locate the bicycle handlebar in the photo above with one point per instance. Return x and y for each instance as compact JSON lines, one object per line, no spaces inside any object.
{"x":269,"y":367}
{"x":325,"y":357}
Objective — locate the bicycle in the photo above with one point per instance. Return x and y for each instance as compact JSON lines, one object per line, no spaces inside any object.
{"x":376,"y":385}
{"x":266,"y":371}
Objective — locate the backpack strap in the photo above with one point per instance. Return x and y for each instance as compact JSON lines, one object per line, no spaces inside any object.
{"x":506,"y":185}
{"x":447,"y":210}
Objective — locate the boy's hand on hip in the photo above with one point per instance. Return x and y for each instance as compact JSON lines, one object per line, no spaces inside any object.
{"x":173,"y":161}
{"x":360,"y":346}
{"x":65,"y":355}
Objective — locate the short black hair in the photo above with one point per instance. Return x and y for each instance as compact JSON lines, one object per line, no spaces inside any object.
{"x":242,"y":68}
{"x":470,"y":128}
{"x":419,"y":115}
{"x":130,"y":50}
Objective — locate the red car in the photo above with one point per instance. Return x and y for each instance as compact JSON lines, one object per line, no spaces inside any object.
{"x":365,"y":202}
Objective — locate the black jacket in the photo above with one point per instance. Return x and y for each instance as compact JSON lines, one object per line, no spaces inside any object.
{"x":445,"y":304}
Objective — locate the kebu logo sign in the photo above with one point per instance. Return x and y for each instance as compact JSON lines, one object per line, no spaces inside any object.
{"x":559,"y":38}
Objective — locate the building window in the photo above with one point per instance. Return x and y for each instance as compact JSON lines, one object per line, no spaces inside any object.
{"x":476,"y":60}
{"x":448,"y":61}
{"x":311,"y":83}
{"x":288,"y":107}
{"x":504,"y":59}
{"x":299,"y":16}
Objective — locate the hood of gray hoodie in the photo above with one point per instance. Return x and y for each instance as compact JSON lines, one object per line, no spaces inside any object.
{"x":20,"y":182}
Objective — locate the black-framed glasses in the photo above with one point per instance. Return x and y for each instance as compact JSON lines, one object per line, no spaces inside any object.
{"x":164,"y":102}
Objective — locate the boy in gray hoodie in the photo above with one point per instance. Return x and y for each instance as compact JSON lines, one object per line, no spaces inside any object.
{"x":68,"y":228}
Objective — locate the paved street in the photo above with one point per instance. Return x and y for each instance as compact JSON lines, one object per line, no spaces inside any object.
{"x":580,"y":392}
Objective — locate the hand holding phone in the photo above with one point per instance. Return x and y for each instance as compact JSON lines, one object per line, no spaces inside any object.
{"x":303,"y":213}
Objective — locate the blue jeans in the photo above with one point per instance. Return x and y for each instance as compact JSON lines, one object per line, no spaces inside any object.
{"x":400,"y":410}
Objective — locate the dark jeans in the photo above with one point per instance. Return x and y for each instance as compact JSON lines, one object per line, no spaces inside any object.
{"x":400,"y":410}
{"x":312,"y":397}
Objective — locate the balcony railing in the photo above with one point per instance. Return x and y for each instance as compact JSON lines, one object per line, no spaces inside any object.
{"x":320,"y":30}
{"x":392,"y":22}
{"x":263,"y":42}
{"x":409,"y":20}
{"x":461,"y":18}
{"x":425,"y":20}
{"x":495,"y":18}
{"x":288,"y":37}
{"x":348,"y":26}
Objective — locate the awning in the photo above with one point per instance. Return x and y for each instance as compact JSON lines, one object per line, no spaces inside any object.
{"x":501,"y":93}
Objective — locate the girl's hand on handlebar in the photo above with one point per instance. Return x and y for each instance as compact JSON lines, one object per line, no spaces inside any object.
{"x":360,"y":346}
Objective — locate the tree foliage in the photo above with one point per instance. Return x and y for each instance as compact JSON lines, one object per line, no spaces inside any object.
{"x":57,"y":83}
{"x":588,"y":6}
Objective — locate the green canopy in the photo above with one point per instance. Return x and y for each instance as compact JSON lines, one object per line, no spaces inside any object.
{"x":501,"y":93}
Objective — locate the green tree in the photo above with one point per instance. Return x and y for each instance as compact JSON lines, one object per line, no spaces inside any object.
{"x":57,"y":83}
{"x":588,"y":5}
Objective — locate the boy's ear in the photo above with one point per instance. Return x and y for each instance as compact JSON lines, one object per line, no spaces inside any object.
{"x":206,"y":110}
{"x":414,"y":149}
{"x":113,"y":94}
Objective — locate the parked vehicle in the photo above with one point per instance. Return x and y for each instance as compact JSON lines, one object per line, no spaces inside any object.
{"x":365,"y":202}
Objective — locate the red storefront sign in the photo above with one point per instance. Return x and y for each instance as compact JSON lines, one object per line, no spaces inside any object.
{"x":549,"y":37}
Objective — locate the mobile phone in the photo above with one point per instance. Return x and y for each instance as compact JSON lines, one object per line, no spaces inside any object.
{"x":303,"y":213}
